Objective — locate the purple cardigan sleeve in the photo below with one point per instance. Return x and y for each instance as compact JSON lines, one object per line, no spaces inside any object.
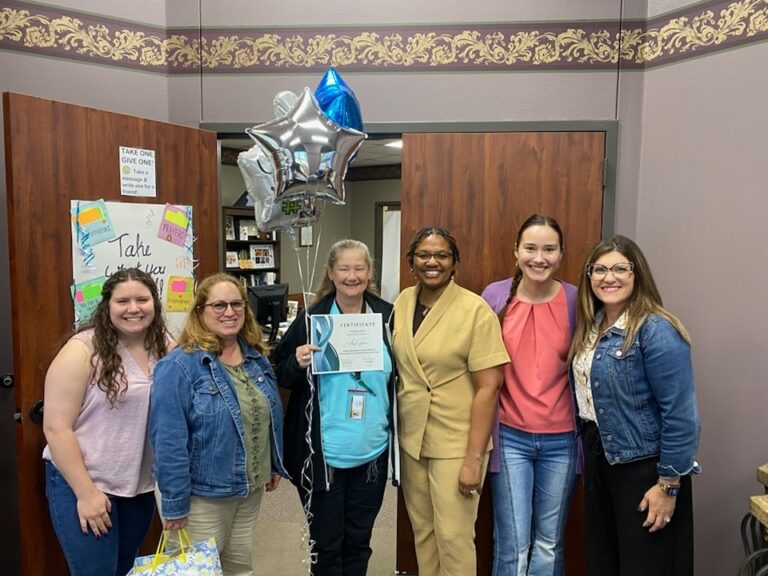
{"x":496,"y":295}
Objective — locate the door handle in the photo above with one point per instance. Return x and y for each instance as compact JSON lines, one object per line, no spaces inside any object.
{"x":36,"y":413}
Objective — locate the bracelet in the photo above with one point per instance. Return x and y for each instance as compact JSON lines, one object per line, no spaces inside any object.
{"x":668,"y":489}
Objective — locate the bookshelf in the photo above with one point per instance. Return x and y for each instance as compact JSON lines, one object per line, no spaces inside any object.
{"x":249,"y":254}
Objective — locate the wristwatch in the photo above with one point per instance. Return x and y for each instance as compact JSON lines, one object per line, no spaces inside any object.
{"x":669,"y":489}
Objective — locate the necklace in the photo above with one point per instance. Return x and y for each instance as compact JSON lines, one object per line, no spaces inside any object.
{"x":424,"y":309}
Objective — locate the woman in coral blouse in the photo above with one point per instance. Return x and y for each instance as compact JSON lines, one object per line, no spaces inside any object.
{"x":537,"y":441}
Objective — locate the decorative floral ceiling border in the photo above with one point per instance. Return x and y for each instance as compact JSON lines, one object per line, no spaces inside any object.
{"x":599,"y":45}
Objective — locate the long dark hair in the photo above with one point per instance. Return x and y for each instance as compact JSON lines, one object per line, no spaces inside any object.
{"x":106,"y":361}
{"x":534,"y":220}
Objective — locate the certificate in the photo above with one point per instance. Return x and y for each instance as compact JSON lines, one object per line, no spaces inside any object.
{"x":347,"y":342}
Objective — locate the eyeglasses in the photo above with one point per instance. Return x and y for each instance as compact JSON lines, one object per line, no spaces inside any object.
{"x":220,"y":306}
{"x":439,"y":256}
{"x":620,"y":271}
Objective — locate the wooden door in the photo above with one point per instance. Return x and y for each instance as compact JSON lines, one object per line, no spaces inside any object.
{"x":56,"y":152}
{"x":482,"y":186}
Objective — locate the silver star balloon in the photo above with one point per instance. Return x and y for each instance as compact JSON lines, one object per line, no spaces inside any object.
{"x":309,"y":153}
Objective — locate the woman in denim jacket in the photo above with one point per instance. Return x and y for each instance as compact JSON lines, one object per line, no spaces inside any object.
{"x":216,"y":424}
{"x":631,"y":369}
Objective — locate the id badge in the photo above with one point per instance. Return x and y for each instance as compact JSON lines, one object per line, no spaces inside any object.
{"x":357,"y":404}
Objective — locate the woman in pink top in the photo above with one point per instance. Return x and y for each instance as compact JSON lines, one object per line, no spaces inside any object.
{"x":98,"y":463}
{"x":537,"y":440}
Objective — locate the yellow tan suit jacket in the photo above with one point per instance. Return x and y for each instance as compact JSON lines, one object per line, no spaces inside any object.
{"x":459,"y":335}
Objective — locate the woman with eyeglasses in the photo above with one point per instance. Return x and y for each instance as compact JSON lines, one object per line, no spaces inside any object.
{"x":633,"y":378}
{"x":450,"y":356}
{"x":97,"y":461}
{"x":216,"y":424}
{"x":340,"y":471}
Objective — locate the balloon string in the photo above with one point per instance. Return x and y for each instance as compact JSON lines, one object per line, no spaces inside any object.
{"x":307,"y":474}
{"x":304,"y":290}
{"x":319,"y":236}
{"x":307,"y":479}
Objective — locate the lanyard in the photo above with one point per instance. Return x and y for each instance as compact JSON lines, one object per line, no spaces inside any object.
{"x":359,"y":380}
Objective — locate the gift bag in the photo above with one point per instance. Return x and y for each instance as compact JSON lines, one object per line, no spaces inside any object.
{"x":198,"y":559}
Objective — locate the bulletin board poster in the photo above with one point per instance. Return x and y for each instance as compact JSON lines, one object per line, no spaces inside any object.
{"x":156,"y":238}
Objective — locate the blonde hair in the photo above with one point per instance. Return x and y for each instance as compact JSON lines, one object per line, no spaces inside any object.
{"x":644,"y":300}
{"x":326,"y":284}
{"x":197,"y":334}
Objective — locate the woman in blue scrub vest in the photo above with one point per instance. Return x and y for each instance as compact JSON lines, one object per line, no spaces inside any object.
{"x":342,"y":480}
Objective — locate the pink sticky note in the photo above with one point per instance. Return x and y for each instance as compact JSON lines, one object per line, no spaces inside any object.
{"x":179,"y":286}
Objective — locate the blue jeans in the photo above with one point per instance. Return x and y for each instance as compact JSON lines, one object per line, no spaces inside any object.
{"x":343,"y":518}
{"x":90,"y":556}
{"x":531,"y":497}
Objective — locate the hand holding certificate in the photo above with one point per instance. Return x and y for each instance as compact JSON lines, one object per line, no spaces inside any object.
{"x":347,"y":342}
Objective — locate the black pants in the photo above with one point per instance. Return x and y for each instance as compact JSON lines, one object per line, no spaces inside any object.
{"x":617,"y":543}
{"x":343,"y":518}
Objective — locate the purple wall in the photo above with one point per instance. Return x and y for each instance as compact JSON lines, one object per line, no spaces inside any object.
{"x":690,"y":182}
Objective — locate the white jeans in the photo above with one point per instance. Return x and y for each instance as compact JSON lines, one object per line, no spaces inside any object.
{"x":232,"y":522}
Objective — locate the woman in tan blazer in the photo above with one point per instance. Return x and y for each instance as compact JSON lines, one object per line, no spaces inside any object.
{"x":450,"y":354}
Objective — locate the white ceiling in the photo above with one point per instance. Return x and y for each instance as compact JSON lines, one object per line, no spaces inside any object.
{"x":373,"y":152}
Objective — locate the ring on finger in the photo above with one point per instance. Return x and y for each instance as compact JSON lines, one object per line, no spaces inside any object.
{"x":473,"y":492}
{"x":667,"y":520}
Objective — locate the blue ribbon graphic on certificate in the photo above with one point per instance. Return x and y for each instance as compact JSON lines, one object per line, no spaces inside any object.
{"x":347,"y":342}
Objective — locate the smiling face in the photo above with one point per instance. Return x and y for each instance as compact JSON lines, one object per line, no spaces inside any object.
{"x":433,"y":263}
{"x":613,"y":292}
{"x":539,"y":253}
{"x":131,"y":309}
{"x":350,"y":273}
{"x":227,"y":324}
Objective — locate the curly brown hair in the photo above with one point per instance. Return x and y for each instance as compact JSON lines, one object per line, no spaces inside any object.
{"x":105,"y":359}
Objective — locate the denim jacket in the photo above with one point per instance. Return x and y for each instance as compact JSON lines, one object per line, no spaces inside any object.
{"x":645,"y":400}
{"x":196,"y":430}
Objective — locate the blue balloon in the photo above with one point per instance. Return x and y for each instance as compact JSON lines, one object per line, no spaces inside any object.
{"x":338,"y":101}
